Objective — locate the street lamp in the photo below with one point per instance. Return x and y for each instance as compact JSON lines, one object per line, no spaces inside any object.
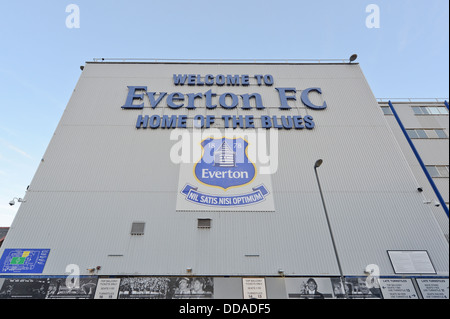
{"x":317,"y":165}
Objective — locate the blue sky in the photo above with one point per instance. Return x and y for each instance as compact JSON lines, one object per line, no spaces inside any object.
{"x":407,"y":56}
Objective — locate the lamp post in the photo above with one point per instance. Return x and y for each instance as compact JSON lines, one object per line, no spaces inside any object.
{"x":317,"y":165}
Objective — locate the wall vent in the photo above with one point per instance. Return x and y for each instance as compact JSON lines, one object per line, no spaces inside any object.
{"x":137,"y":228}
{"x":204,"y":223}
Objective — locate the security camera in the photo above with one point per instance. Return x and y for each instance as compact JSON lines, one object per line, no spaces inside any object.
{"x":20,"y":200}
{"x":420,"y":189}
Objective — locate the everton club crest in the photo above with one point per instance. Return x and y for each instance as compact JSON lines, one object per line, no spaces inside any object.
{"x":224,"y":165}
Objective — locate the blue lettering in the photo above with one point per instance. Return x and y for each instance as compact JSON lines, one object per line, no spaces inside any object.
{"x":153,"y":102}
{"x":258,"y":79}
{"x":232,"y":80}
{"x":265,"y":121}
{"x":191,"y":79}
{"x":199,"y":121}
{"x":286,"y":122}
{"x":209,"y":96}
{"x":191,"y":99}
{"x":275,"y":123}
{"x":246,"y":100}
{"x":169,"y":122}
{"x":268,"y":80}
{"x":309,"y":122}
{"x":226,"y":119}
{"x":177,"y":100}
{"x":209,"y":79}
{"x":245,"y":80}
{"x":234,"y":98}
{"x":155,"y":121}
{"x":177,"y":96}
{"x":284,"y":98}
{"x":133,"y":96}
{"x":298,"y":122}
{"x":199,"y":80}
{"x":182,"y":121}
{"x":238,"y":121}
{"x":142,"y":121}
{"x":210,"y":120}
{"x":249,"y":122}
{"x":307,"y":101}
{"x":179,"y":79}
{"x":220,"y":79}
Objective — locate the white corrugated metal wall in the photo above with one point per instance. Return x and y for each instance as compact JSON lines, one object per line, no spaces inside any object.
{"x":433,"y":151}
{"x":100,"y":174}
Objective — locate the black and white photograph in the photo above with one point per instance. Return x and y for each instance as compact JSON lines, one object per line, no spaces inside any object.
{"x":24,"y":288}
{"x":309,"y":288}
{"x":166,"y":288}
{"x":69,"y":288}
{"x":356,"y":288}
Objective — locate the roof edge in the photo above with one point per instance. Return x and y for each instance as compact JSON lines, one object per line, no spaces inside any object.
{"x":220,"y":61}
{"x":225,"y":63}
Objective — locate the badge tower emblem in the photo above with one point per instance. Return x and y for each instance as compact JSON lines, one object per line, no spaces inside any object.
{"x":225,"y":163}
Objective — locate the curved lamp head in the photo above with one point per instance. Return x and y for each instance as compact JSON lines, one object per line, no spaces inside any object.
{"x":353,"y":57}
{"x":318,"y":163}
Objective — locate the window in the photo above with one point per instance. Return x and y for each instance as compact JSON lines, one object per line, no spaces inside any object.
{"x":432,"y":134}
{"x":443,"y":171}
{"x":417,"y":110}
{"x":137,"y":228}
{"x":438,"y":171}
{"x":387,"y":110}
{"x":412,"y":134}
{"x":432,"y":170}
{"x":432,"y":110}
{"x":420,"y":133}
{"x":441,"y":133}
{"x":204,"y":223}
{"x":425,"y":110}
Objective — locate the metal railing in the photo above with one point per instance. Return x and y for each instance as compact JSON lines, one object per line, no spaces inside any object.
{"x":412,"y":100}
{"x":162,"y":60}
